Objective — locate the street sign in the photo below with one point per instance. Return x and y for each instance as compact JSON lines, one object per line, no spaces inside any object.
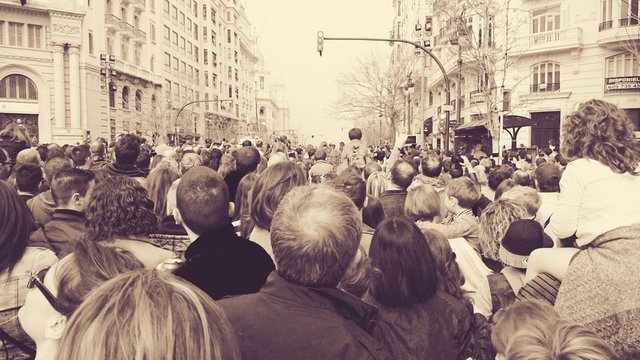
{"x":453,"y":122}
{"x":447,"y":108}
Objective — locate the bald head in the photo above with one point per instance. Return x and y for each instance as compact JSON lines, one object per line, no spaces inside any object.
{"x":315,"y":234}
{"x":28,"y":156}
{"x":402,"y":174}
{"x":97,"y":148}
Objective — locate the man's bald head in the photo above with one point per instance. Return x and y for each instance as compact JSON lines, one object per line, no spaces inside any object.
{"x":97,"y":148}
{"x":402,"y":174}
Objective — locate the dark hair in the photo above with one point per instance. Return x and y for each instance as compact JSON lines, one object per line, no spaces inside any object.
{"x":144,"y":160}
{"x":247,"y":159}
{"x":496,"y":177}
{"x":450,"y":278}
{"x":55,"y":151}
{"x":43,"y":151}
{"x":55,"y":165}
{"x":370,"y":168}
{"x":15,"y":227}
{"x":431,"y":166}
{"x":203,"y":199}
{"x":243,"y":204}
{"x":216,"y":156}
{"x":28,"y":177}
{"x":68,"y":182}
{"x":80,"y":154}
{"x":602,"y":131}
{"x":127,"y":149}
{"x":402,"y":174}
{"x":353,"y":186}
{"x":119,"y":206}
{"x":272,"y":185}
{"x":405,"y":268}
{"x":158,"y":183}
{"x":355,"y":134}
{"x":205,"y":155}
{"x":320,"y":154}
{"x":505,"y":185}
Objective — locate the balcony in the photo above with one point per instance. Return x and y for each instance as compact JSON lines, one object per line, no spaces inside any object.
{"x":536,"y":43}
{"x":550,"y":87}
{"x":138,"y":4}
{"x":127,"y":29}
{"x":139,"y":36}
{"x":617,"y":34}
{"x":112,"y":22}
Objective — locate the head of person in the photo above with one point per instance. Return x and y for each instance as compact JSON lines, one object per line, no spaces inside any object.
{"x":496,"y":177}
{"x":320,"y":155}
{"x":370,"y":168}
{"x":72,"y":188}
{"x":247,"y":159}
{"x":186,"y":323}
{"x":355,"y":134}
{"x":5,"y":164}
{"x":450,"y":278}
{"x":15,"y":227}
{"x":97,"y":148}
{"x":423,"y":203}
{"x":521,"y":177}
{"x":521,"y":239}
{"x":405,"y":270}
{"x":119,"y":207}
{"x":494,"y":222}
{"x":202,"y":199}
{"x":127,"y":149}
{"x":456,"y":170}
{"x":376,"y":184}
{"x":189,"y":161}
{"x":402,"y":174}
{"x":548,"y":178}
{"x":144,"y":160}
{"x":28,"y":156}
{"x":557,"y":339}
{"x":503,"y":187}
{"x":55,"y":293}
{"x":431,"y":166}
{"x":79,"y":155}
{"x":526,"y":196}
{"x":28,"y":178}
{"x":353,"y":186}
{"x":158,"y":183}
{"x":601,"y":131}
{"x":272,"y":185}
{"x":461,"y":192}
{"x":54,"y":150}
{"x":315,"y":235}
{"x":16,"y":132}
{"x":357,"y":279}
{"x":216,"y":157}
{"x":508,"y":321}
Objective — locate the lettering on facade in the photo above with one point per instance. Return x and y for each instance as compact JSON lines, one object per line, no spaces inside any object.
{"x":622,"y":84}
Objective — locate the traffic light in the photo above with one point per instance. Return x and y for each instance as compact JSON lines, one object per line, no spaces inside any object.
{"x":320,"y":42}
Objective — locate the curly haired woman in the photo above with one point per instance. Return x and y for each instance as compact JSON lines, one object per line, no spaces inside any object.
{"x":120,"y":212}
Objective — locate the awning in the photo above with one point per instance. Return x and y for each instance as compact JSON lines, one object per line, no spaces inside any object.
{"x":473,"y":124}
{"x":514,"y":121}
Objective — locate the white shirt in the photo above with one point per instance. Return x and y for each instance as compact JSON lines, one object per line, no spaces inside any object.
{"x":548,"y":202}
{"x":593,"y":200}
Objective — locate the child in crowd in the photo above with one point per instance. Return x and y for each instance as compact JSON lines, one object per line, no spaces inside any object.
{"x":461,"y":195}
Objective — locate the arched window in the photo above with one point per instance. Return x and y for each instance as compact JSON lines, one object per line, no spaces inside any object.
{"x":125,"y":97}
{"x":545,"y":77}
{"x":624,"y":64}
{"x":18,"y":87}
{"x":138,"y":100}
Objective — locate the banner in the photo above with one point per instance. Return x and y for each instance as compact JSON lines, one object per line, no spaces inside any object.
{"x":622,"y":84}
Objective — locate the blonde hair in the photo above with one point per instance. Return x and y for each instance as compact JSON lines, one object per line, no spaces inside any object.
{"x":525,"y":196}
{"x":422,"y":203}
{"x":148,"y":314}
{"x":465,"y":190}
{"x":494,"y":222}
{"x":558,"y":339}
{"x":508,"y":321}
{"x":376,"y":184}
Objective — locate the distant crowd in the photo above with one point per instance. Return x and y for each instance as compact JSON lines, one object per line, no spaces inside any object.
{"x":275,"y":250}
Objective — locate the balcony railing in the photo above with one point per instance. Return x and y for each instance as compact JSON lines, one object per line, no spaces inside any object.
{"x":112,"y":21}
{"x":140,"y":35}
{"x":537,"y":88}
{"x":628,"y":22}
{"x":605,"y":25}
{"x":554,"y":38}
{"x":127,"y":29}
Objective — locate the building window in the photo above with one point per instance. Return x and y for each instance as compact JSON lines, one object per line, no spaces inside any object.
{"x":182,"y":44}
{"x":18,"y":87}
{"x":138,"y":100}
{"x":195,"y":9}
{"x":165,"y":8}
{"x":152,"y":64}
{"x":152,"y":32}
{"x":136,"y":56}
{"x":230,"y":91}
{"x":628,"y":12}
{"x":204,"y":11}
{"x":174,"y":39}
{"x":214,"y":81}
{"x":167,"y":62}
{"x":195,"y":31}
{"x":90,"y":42}
{"x":546,"y":77}
{"x":214,"y":59}
{"x":621,"y":65}
{"x":546,"y":20}
{"x":125,"y":98}
{"x":167,"y":34}
{"x":35,"y":36}
{"x":181,"y":19}
{"x":109,"y":45}
{"x":124,"y":49}
{"x":152,"y":5}
{"x":261,"y":82}
{"x":167,"y":90}
{"x":213,"y":37}
{"x":176,"y":63}
{"x":228,"y":36}
{"x":15,"y":34}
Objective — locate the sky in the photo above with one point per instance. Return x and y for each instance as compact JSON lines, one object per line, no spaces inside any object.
{"x":287,"y":37}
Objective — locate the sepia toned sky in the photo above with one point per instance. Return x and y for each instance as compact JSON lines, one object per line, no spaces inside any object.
{"x":286,"y":31}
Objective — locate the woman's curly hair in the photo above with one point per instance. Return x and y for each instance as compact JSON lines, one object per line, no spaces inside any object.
{"x":119,"y":207}
{"x":494,"y":222}
{"x":602,"y":131}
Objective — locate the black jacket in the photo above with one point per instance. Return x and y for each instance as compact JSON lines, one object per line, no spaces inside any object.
{"x":221,"y":263}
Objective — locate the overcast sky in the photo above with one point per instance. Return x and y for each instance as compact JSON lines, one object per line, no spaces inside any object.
{"x":286,"y":31}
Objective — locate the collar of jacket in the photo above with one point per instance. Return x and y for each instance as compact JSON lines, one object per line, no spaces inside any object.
{"x":348,"y":306}
{"x":211,"y":240}
{"x":68,"y":215}
{"x":123,"y":169}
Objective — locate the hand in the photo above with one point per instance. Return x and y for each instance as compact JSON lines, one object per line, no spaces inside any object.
{"x":401,"y":139}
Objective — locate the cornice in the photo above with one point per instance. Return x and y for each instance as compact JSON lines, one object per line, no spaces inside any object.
{"x":64,"y":14}
{"x":26,"y":58}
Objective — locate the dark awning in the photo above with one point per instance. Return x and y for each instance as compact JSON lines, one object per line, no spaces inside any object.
{"x":514,"y":121}
{"x":473,"y":124}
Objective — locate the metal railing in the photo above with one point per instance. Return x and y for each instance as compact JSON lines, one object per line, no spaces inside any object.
{"x":536,"y":88}
{"x":605,"y":25}
{"x":628,"y":22}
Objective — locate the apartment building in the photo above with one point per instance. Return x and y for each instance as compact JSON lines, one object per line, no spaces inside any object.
{"x":73,"y":70}
{"x":558,"y":54}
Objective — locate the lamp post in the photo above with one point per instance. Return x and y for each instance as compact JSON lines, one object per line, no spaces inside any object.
{"x":187,"y":104}
{"x":108,"y":77}
{"x":445,"y":77}
{"x":409,"y":88}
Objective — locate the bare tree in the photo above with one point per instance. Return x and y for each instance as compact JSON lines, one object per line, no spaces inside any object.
{"x":373,"y":89}
{"x":630,"y":39}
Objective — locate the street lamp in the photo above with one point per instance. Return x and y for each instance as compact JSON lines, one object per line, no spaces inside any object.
{"x":409,"y":88}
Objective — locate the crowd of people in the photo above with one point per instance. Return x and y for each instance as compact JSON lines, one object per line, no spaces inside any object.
{"x":276,"y":250}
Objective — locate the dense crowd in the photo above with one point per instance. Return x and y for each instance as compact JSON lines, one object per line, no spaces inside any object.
{"x":276,"y":250}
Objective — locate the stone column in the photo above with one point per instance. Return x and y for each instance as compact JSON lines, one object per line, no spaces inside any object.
{"x":74,"y":87}
{"x":58,"y":85}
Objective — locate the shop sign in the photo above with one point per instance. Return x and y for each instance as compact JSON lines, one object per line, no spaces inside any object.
{"x":622,"y":84}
